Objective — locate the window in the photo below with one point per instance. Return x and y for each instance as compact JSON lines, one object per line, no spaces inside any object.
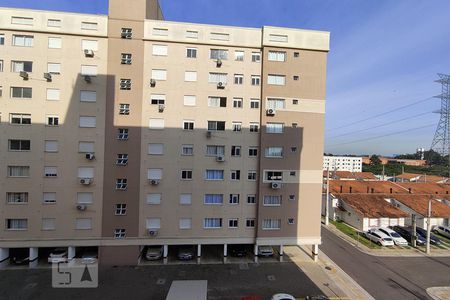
{"x":235,"y":175}
{"x":121,"y":209}
{"x":274,"y":152}
{"x":18,"y":171}
{"x":236,"y":126}
{"x":251,"y":175}
{"x":234,"y":199}
{"x":17,"y":198}
{"x":214,"y":150}
{"x":276,"y":79}
{"x":159,"y":74}
{"x":51,"y":146}
{"x":2,"y":39}
{"x":50,"y":171}
{"x":185,"y":223}
{"x":256,"y":56}
{"x":54,"y":68}
{"x":291,"y":221}
{"x":159,"y":50}
{"x":274,"y":128}
{"x":16,"y":224}
{"x":17,"y":66}
{"x":85,"y":198}
{"x":88,"y":96}
{"x":54,"y":43}
{"x":122,"y":159}
{"x":253,"y":151}
{"x":125,"y":84}
{"x":89,"y":70}
{"x":52,"y":121}
{"x":1,"y":90}
{"x":49,"y":198}
{"x":239,"y":55}
{"x":121,"y":184}
{"x":154,"y":174}
{"x":126,"y":33}
{"x":185,"y":199}
{"x":124,"y":109}
{"x":251,"y":199}
{"x":272,"y":200}
{"x":220,"y":36}
{"x":53,"y":94}
{"x":295,"y":101}
{"x":254,"y":127}
{"x":20,"y":119}
{"x":217,"y":77}
{"x":254,"y":103}
{"x":21,"y":92}
{"x":212,"y":223}
{"x":154,"y":199}
{"x":48,"y":224}
{"x":292,"y":197}
{"x":238,"y":79}
{"x":256,"y":79}
{"x":125,"y":58}
{"x":186,"y":174}
{"x":188,"y":125}
{"x":292,"y":173}
{"x":187,"y":150}
{"x":19,"y":145}
{"x":89,"y":26}
{"x":160,"y":31}
{"x":237,"y":102}
{"x":232,"y":223}
{"x":296,"y":54}
{"x":278,"y":38}
{"x":216,"y":125}
{"x":274,"y":175}
{"x":218,"y":54}
{"x":271,"y":224}
{"x":189,"y":100}
{"x":296,"y":77}
{"x":86,"y":147}
{"x":122,"y":134}
{"x":191,"y":52}
{"x":157,"y":99}
{"x":217,"y":101}
{"x":21,"y":21}
{"x":119,"y":233}
{"x":235,"y":151}
{"x":190,"y":76}
{"x":1,"y":65}
{"x":191,"y":34}
{"x":277,"y":56}
{"x":156,"y":123}
{"x":153,"y":223}
{"x":155,"y":149}
{"x":250,"y":223}
{"x":53,"y":23}
{"x":214,"y":174}
{"x":89,"y":45}
{"x":22,"y":40}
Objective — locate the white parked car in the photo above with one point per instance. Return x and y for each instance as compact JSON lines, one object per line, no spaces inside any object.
{"x":282,"y":297}
{"x":442,"y":230}
{"x":58,"y":255}
{"x":379,"y":237}
{"x":398,"y":240}
{"x":265,"y":251}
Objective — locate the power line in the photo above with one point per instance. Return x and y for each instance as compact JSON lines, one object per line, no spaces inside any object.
{"x":381,"y":125}
{"x":381,"y":114}
{"x":381,"y":136}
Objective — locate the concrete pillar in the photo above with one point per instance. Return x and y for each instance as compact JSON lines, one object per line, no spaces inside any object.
{"x":199,"y":250}
{"x":71,"y":252}
{"x":255,"y":250}
{"x":315,"y":252}
{"x":165,"y":250}
{"x":33,"y":257}
{"x":225,"y":250}
{"x":281,"y":250}
{"x":4,"y":254}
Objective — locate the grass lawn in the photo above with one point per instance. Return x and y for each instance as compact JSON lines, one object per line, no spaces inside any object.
{"x":351,"y":232}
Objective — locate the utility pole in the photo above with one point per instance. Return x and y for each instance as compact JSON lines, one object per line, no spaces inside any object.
{"x":413,"y":236}
{"x":429,"y":225}
{"x":383,"y":174}
{"x":327,"y":213}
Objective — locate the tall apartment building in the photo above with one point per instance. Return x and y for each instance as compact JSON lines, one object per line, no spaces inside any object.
{"x":126,"y":130}
{"x":342,"y":163}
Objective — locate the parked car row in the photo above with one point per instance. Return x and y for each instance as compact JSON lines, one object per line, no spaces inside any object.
{"x":400,"y":235}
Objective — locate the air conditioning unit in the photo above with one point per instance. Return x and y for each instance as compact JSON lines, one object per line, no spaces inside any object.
{"x":81,"y":207}
{"x":24,"y":75}
{"x":161,"y":107}
{"x":275,"y":185}
{"x":218,"y":62}
{"x":152,"y":232}
{"x":90,"y":156}
{"x":220,"y":158}
{"x":208,"y":134}
{"x":270,"y":112}
{"x":220,"y":85}
{"x":152,"y":82}
{"x":87,"y":78}
{"x":48,"y":77}
{"x":154,"y":181}
{"x":89,"y":53}
{"x":85,"y":181}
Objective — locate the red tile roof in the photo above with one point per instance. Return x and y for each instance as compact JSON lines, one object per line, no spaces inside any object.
{"x":419,"y":203}
{"x":426,"y":188}
{"x":366,"y":187}
{"x":372,"y":205}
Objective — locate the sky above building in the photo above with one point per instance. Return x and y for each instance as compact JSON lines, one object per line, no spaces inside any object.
{"x":384,"y":59}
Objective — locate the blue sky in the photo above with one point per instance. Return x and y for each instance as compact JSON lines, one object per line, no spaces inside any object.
{"x":384,"y":54}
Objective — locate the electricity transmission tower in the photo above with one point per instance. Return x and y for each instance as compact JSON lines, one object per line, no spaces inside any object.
{"x":441,"y":140}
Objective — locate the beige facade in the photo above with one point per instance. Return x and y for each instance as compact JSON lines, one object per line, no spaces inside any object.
{"x":203,"y":134}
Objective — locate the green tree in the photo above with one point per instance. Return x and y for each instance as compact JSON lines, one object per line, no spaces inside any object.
{"x":375,"y":160}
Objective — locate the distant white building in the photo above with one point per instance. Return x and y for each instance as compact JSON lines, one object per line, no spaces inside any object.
{"x":342,"y":163}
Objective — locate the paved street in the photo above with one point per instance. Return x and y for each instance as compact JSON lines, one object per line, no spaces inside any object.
{"x":225,"y":281}
{"x":387,"y":277}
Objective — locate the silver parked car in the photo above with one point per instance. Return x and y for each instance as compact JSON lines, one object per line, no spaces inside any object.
{"x":154,"y":253}
{"x":397,"y":238}
{"x":442,"y":230}
{"x":378,"y":237}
